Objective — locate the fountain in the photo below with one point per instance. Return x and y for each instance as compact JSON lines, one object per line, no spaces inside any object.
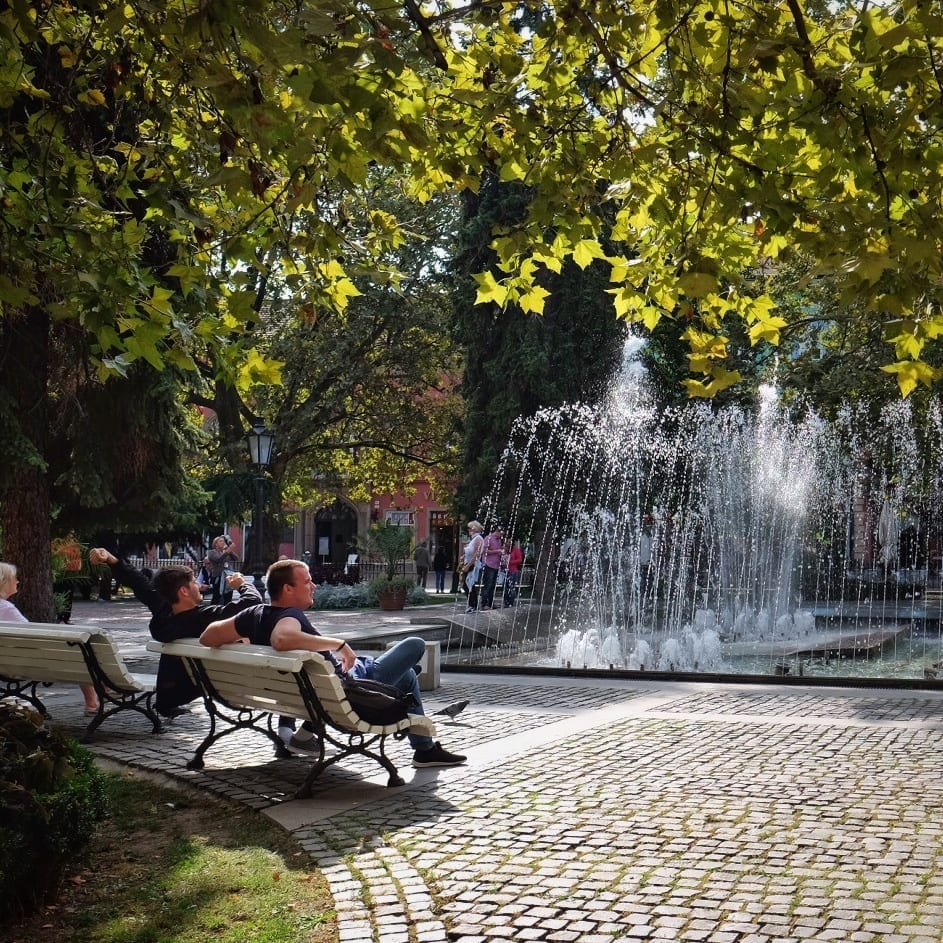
{"x":746,"y":541}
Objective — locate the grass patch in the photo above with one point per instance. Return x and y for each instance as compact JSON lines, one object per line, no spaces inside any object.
{"x":171,"y":866}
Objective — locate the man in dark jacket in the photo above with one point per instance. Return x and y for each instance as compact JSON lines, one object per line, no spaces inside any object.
{"x":173,"y":598}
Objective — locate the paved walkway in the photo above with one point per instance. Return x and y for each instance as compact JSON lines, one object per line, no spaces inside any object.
{"x":600,"y":810}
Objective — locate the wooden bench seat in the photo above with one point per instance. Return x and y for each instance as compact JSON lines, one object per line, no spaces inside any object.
{"x":248,"y":686}
{"x":37,"y":653}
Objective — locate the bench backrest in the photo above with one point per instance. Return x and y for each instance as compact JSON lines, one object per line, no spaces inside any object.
{"x":258,"y":677}
{"x":38,"y":651}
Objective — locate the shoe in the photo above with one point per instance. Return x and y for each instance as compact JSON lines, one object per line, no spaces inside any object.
{"x":171,"y":712}
{"x":436,"y":756}
{"x":91,"y":711}
{"x":469,"y":609}
{"x":310,"y":746}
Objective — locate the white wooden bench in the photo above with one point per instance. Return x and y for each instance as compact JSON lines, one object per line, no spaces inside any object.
{"x":247,"y":686}
{"x":34,"y":653}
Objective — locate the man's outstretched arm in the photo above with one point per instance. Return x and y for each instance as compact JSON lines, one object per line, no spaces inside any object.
{"x":129,"y":576}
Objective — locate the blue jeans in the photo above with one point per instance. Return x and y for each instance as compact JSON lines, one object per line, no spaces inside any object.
{"x":440,"y":581}
{"x":396,"y":667}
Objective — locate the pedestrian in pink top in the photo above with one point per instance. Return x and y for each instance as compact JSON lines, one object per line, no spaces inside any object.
{"x":491,"y":555}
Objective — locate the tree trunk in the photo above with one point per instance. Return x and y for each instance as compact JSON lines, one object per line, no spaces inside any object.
{"x":24,"y":489}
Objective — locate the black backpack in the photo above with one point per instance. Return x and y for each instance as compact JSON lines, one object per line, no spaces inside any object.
{"x":376,"y":702}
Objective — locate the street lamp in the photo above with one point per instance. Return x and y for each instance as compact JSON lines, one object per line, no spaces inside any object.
{"x":261,"y":442}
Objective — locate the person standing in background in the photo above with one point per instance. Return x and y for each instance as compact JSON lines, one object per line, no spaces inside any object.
{"x":218,"y":560}
{"x":512,"y":580}
{"x":421,"y":559}
{"x":440,"y":564}
{"x":491,"y":554}
{"x":471,"y":563}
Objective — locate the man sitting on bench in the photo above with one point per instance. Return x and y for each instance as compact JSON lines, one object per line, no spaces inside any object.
{"x":285,"y":627}
{"x":174,"y":598}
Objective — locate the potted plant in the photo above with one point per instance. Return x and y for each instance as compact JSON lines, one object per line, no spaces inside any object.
{"x":67,"y":573}
{"x":393,"y":544}
{"x":71,"y":571}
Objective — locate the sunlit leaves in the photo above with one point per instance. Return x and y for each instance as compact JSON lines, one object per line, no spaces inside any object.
{"x":698,"y":142}
{"x":258,"y":369}
{"x":909,"y":373}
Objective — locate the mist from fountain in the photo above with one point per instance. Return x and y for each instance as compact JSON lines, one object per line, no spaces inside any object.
{"x":697,"y":539}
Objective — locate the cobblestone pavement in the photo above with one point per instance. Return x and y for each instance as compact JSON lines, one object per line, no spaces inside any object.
{"x":609,"y":810}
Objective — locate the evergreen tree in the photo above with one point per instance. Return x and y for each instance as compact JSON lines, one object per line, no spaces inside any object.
{"x":518,"y":362}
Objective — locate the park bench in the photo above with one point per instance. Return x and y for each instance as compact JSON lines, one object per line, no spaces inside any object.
{"x":37,"y":653}
{"x":246,"y":687}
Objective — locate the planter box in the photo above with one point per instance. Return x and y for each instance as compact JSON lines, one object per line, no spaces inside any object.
{"x":392,"y":600}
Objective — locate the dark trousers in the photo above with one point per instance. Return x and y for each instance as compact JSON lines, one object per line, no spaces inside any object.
{"x":489,"y":580}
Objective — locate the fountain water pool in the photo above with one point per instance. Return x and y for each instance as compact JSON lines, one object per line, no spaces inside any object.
{"x":748,"y":541}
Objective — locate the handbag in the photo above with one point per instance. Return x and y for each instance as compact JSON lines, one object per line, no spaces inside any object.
{"x":377,"y":702}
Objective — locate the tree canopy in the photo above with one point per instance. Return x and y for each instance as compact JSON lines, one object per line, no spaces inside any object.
{"x":162,"y":162}
{"x":726,"y":135}
{"x":717,"y":134}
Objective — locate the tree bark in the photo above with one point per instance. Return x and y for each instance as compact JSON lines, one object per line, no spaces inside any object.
{"x":24,"y":490}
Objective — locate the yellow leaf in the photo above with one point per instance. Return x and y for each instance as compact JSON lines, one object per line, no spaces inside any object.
{"x":489,"y":291}
{"x":697,"y":284}
{"x":257,"y":369}
{"x":585,"y":251}
{"x":534,"y":300}
{"x":767,"y":330}
{"x":341,"y":291}
{"x":161,"y":300}
{"x":870,"y":266}
{"x":910,"y":373}
{"x":697,"y":388}
{"x":722,"y":379}
{"x":651,"y":316}
{"x":626,"y":301}
{"x":511,"y":170}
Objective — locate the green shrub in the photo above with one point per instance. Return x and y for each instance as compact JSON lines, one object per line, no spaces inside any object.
{"x":51,"y":798}
{"x":361,"y":596}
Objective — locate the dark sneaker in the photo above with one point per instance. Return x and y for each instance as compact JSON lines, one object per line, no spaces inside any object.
{"x":436,"y":756}
{"x":309,"y":746}
{"x":169,"y":713}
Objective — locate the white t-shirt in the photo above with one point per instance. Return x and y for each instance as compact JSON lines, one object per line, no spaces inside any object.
{"x":471,"y":548}
{"x":9,"y":612}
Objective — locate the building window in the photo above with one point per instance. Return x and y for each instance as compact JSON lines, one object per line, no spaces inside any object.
{"x":401,"y":518}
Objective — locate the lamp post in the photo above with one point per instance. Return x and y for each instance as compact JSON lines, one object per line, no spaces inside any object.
{"x":261,"y":442}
